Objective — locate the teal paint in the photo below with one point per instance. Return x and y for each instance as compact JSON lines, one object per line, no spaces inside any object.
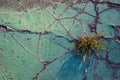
{"x":34,"y":45}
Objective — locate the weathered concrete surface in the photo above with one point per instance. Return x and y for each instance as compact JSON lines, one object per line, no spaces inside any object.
{"x":36,"y":39}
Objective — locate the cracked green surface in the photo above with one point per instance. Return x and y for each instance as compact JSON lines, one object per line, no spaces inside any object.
{"x":24,"y":55}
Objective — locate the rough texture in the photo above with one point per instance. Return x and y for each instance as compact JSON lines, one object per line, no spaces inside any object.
{"x":37,"y":36}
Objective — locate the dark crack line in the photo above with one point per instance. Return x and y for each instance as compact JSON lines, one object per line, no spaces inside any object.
{"x":38,"y":73}
{"x":93,"y":26}
{"x":47,"y":63}
{"x":9,"y":29}
{"x":109,"y":64}
{"x":117,"y":30}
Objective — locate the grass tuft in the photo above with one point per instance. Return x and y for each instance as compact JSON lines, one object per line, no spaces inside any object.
{"x":86,"y":45}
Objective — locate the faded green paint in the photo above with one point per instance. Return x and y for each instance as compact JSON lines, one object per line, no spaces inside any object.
{"x":23,"y":54}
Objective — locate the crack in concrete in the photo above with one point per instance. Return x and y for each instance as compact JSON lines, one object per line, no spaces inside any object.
{"x":110,"y":64}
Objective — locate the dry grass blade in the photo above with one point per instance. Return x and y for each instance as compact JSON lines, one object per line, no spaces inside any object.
{"x":86,"y":45}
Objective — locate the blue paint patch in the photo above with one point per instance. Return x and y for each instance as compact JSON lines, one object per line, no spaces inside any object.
{"x":73,"y":68}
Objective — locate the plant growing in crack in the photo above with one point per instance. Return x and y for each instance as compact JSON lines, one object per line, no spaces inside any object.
{"x":86,"y":45}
